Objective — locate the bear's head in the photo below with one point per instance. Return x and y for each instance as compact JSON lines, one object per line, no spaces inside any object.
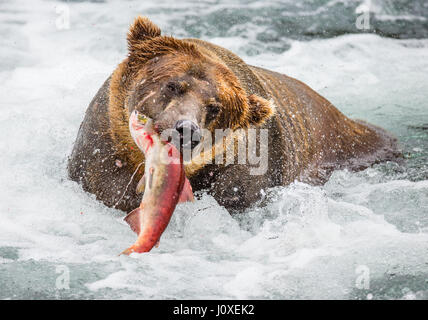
{"x":180,"y":85}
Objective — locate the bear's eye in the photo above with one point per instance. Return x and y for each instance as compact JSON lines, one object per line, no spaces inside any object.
{"x":173,"y":87}
{"x":176,"y":87}
{"x":212,"y":111}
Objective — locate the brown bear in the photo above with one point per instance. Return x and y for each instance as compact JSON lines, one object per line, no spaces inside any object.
{"x":199,"y":85}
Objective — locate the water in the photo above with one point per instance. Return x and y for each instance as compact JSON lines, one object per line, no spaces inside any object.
{"x":361,"y":236}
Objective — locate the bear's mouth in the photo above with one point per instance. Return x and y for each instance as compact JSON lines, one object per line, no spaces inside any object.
{"x":186,"y":145}
{"x":189,"y":134}
{"x":185,"y":135}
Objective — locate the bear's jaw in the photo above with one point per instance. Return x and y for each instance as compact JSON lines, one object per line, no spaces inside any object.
{"x":216,"y":152}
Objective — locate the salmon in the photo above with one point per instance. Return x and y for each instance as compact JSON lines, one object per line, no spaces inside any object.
{"x":164,"y":184}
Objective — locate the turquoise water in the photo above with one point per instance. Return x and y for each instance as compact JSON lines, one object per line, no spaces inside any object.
{"x":302,"y":242}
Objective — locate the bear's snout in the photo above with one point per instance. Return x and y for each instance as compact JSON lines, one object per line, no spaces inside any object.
{"x":189,"y":132}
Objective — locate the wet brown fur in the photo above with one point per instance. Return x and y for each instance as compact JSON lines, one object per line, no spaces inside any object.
{"x":308,"y":136}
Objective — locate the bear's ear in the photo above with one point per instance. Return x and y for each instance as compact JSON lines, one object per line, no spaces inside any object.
{"x":260,"y":110}
{"x":142,"y":29}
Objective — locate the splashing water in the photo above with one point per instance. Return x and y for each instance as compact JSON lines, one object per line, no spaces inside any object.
{"x":362,"y":235}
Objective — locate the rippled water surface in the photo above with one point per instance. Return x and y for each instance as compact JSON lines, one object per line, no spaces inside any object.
{"x":301,"y":241}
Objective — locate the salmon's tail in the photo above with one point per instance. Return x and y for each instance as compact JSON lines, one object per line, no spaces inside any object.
{"x":133,"y":219}
{"x":128,"y":251}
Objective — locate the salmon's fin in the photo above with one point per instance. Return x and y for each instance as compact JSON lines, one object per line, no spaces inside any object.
{"x":134,"y":219}
{"x":141,"y":185}
{"x":157,"y":244}
{"x":186,"y":193}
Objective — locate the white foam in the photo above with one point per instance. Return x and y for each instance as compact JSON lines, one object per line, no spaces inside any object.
{"x":307,"y":242}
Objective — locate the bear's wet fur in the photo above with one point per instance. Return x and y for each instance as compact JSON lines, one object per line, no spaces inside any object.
{"x":308,"y":137}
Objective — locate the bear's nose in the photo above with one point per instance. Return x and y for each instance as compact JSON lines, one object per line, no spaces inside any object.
{"x":190,"y":134}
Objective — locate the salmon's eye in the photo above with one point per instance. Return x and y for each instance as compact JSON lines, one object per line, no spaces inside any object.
{"x":142,"y":118}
